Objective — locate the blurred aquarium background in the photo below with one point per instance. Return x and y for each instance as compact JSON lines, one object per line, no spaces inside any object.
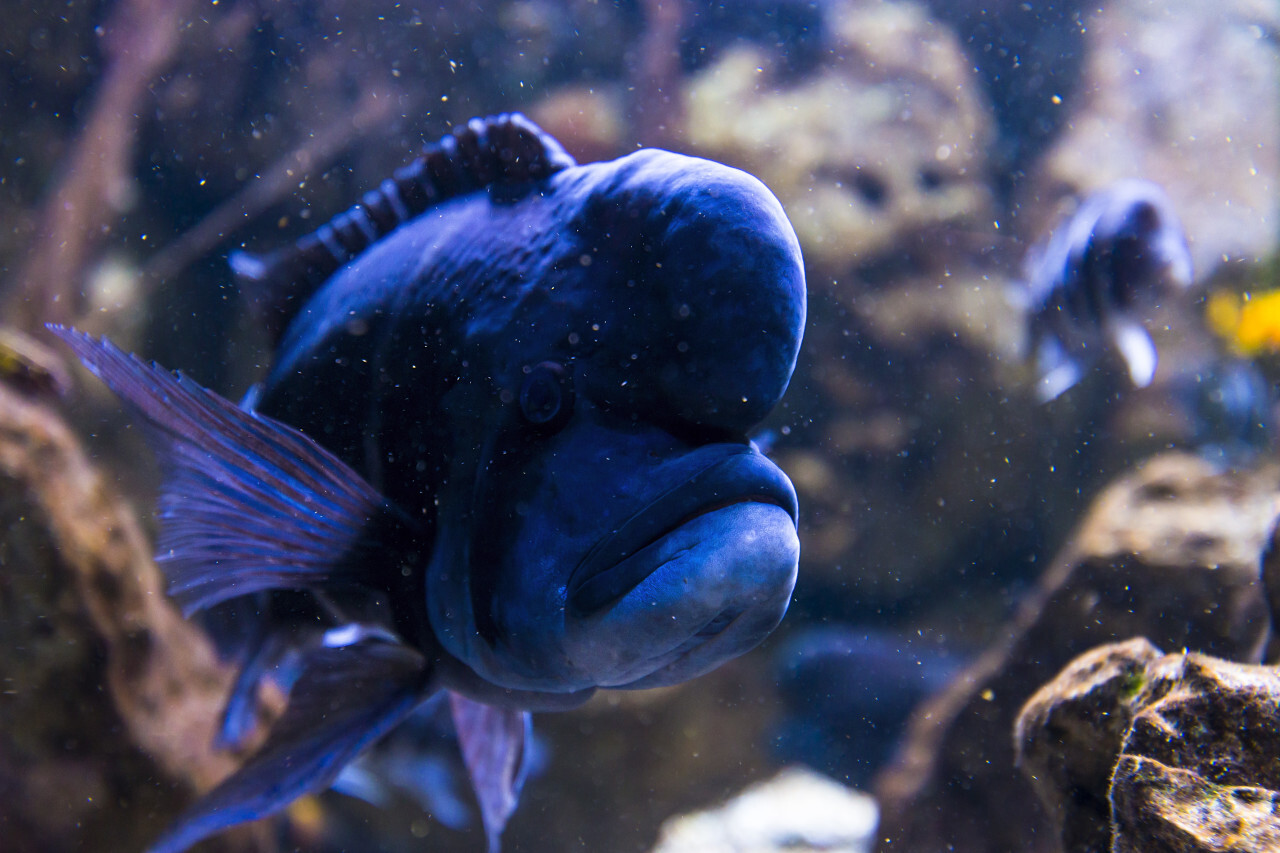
{"x":921,"y":149}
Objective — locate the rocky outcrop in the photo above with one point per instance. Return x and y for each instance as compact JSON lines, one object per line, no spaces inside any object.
{"x":1170,"y":552}
{"x":110,"y":698}
{"x":1194,"y":742}
{"x":1207,"y":130}
{"x":881,"y":147}
{"x":1070,"y":732}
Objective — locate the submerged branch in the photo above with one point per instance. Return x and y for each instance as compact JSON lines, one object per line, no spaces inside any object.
{"x":141,"y":41}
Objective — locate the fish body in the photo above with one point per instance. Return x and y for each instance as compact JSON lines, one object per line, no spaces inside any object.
{"x":501,"y":451}
{"x":1097,"y":279}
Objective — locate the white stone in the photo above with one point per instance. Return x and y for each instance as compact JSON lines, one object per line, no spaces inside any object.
{"x":796,"y":811}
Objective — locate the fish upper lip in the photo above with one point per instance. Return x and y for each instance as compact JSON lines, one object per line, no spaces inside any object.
{"x":740,"y":474}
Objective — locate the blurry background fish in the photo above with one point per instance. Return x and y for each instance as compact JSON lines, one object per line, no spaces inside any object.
{"x":848,"y":693}
{"x":1098,"y":280}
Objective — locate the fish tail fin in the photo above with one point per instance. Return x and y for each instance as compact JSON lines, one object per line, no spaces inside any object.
{"x":248,"y":503}
{"x":1057,"y":369}
{"x":353,"y":689}
{"x":1136,"y":347}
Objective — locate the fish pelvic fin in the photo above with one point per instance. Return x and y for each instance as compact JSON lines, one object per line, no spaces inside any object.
{"x":354,"y":688}
{"x":494,"y":743}
{"x":500,"y":150}
{"x":1058,"y":369}
{"x":1136,"y":347}
{"x":248,"y":503}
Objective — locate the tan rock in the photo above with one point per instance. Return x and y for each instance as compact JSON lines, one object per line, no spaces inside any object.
{"x":884,"y":144}
{"x":1194,"y":741}
{"x":110,"y":697}
{"x":1182,"y":93}
{"x":1069,"y":734}
{"x":1170,"y":552}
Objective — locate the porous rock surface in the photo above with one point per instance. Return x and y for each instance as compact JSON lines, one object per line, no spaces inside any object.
{"x":1070,"y":732}
{"x":1194,"y":742}
{"x":1170,"y":552}
{"x":880,"y":147}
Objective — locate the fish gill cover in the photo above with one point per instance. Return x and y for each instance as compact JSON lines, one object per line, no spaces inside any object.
{"x":501,"y":452}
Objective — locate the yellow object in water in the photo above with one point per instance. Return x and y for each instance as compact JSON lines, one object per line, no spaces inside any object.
{"x":306,"y":817}
{"x":1249,"y":322}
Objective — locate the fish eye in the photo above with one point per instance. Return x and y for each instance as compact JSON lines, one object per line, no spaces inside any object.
{"x":546,"y":396}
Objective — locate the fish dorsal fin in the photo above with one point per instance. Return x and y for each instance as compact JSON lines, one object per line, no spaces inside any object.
{"x":485,"y":152}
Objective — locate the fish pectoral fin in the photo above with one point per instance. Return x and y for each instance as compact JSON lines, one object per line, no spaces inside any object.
{"x":248,"y":503}
{"x":494,"y":743}
{"x":351,"y":692}
{"x":1058,"y":369}
{"x":1136,"y":347}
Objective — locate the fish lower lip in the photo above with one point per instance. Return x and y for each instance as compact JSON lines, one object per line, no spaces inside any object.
{"x":740,"y":475}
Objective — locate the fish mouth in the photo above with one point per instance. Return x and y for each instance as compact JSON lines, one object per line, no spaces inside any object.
{"x":621,"y":561}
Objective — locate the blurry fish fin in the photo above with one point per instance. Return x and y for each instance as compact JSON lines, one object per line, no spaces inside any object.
{"x":493,"y":742}
{"x":1137,"y":348}
{"x":248,"y":503}
{"x":356,"y":780}
{"x":1058,"y":370}
{"x":1017,"y":297}
{"x":437,"y":787}
{"x":765,"y":440}
{"x":348,"y":696}
{"x":238,"y":715}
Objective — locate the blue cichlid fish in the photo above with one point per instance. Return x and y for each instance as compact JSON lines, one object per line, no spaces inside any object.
{"x":501,"y":452}
{"x":1093,"y":283}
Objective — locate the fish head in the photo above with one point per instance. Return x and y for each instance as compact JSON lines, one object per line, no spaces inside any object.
{"x":1138,"y":236}
{"x":611,"y":525}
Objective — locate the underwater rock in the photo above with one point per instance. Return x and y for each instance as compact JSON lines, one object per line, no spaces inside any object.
{"x":1208,"y":131}
{"x":797,"y":811}
{"x":110,"y":698}
{"x":1169,"y":552}
{"x":1200,"y":766}
{"x":30,"y":367}
{"x":879,"y":147}
{"x":1194,"y":741}
{"x":1070,"y":732}
{"x":1165,"y":810}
